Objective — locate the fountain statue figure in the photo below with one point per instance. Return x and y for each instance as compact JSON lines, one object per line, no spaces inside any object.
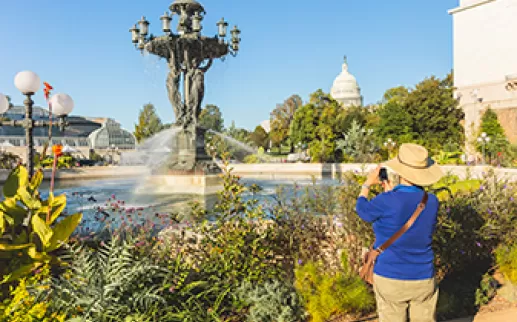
{"x":189,"y":56}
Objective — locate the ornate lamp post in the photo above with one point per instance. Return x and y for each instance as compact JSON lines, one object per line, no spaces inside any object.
{"x":390,"y":145}
{"x":189,"y":55}
{"x":484,"y":139}
{"x":29,"y":83}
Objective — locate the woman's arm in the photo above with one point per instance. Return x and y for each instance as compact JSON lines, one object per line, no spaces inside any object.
{"x":371,"y":210}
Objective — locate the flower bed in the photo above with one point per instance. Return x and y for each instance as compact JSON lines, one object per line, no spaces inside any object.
{"x":294,"y":259}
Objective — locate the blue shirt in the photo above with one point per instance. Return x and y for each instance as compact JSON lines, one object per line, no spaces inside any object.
{"x":411,"y":256}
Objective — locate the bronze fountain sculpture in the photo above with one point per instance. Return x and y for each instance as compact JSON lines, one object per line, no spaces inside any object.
{"x":189,"y":55}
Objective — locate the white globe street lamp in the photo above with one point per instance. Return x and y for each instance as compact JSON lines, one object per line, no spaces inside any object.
{"x":484,"y":139}
{"x":62,"y":104}
{"x":29,"y":83}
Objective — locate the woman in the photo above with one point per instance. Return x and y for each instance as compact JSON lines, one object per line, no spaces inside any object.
{"x":404,"y":282}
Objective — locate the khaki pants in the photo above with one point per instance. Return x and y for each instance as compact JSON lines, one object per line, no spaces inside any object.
{"x":402,"y":301}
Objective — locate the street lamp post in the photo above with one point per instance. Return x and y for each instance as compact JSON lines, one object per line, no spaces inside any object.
{"x":189,"y":55}
{"x":390,"y":145}
{"x":484,"y":139}
{"x":29,"y":83}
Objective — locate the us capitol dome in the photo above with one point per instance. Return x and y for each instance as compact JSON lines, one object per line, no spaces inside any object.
{"x":345,"y":88}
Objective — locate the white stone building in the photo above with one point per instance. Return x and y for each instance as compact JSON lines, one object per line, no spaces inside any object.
{"x":345,"y":88}
{"x":485,"y":61}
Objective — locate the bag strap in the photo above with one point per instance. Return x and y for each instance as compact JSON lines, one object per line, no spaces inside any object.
{"x":407,"y":225}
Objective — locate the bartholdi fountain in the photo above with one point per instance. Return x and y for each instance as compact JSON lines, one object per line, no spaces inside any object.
{"x":188,"y":169}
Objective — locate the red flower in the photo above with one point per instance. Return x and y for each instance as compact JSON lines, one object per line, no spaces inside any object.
{"x":47,"y":89}
{"x":58,"y":150}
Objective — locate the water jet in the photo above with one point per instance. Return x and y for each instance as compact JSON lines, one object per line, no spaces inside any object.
{"x":186,"y":167}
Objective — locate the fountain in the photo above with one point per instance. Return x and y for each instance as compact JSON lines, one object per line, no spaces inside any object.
{"x":187,"y":169}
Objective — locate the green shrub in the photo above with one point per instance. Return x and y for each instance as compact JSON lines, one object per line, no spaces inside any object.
{"x":506,"y":259}
{"x":30,"y":232}
{"x":252,"y":158}
{"x":26,"y":304}
{"x":9,"y":160}
{"x":272,"y":302}
{"x":480,"y":216}
{"x":328,"y":295}
{"x":487,"y":290}
{"x":64,"y":162}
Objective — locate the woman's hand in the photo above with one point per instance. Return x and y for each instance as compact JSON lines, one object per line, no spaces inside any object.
{"x":387,"y":185}
{"x":373,"y":179}
{"x":373,"y":176}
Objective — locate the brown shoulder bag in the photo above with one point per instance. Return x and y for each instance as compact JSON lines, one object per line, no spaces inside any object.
{"x":369,"y":259}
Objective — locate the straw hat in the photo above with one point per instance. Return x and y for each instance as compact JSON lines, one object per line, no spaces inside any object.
{"x":414,"y":164}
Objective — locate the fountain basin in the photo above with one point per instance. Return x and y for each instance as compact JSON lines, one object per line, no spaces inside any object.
{"x":190,"y":184}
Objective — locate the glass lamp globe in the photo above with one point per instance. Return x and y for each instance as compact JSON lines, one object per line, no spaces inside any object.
{"x":27,"y":82}
{"x":62,"y":104}
{"x":4,"y":103}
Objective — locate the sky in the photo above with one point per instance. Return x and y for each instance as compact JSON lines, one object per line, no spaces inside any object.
{"x":84,"y":49}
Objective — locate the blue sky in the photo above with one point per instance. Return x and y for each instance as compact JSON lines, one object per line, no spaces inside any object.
{"x":83,"y":48}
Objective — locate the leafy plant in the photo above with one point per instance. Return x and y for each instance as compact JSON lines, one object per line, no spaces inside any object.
{"x":30,"y":232}
{"x":252,"y":158}
{"x":8,"y":160}
{"x":272,"y":302}
{"x":110,"y":284}
{"x":26,"y":303}
{"x":358,"y":144}
{"x":506,"y":259}
{"x":64,"y":162}
{"x":487,"y":290}
{"x":329,"y":295}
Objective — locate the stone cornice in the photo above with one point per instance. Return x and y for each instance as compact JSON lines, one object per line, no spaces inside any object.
{"x":470,"y":6}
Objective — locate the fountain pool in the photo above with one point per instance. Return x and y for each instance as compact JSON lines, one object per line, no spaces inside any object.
{"x":94,"y":197}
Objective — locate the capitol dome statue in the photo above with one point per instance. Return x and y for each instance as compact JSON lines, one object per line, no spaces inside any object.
{"x":345,"y":89}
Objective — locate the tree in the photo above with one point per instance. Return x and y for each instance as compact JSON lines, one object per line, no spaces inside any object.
{"x":396,"y":95}
{"x":349,"y":115}
{"x":149,"y":123}
{"x":281,"y":119}
{"x":493,"y":129}
{"x":490,"y":124}
{"x":358,"y":144}
{"x":211,"y":118}
{"x":427,"y":114}
{"x":260,"y":137}
{"x":394,"y":122}
{"x":436,"y":117}
{"x":315,"y":124}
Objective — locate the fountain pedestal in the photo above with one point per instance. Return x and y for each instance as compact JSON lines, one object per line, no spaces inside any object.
{"x":189,"y":170}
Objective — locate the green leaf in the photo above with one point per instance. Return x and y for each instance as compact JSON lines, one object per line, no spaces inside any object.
{"x":58,"y":205}
{"x":2,"y":223}
{"x":43,"y":231}
{"x":21,"y":238}
{"x":63,"y":230}
{"x":8,"y":219}
{"x":16,"y":179}
{"x":20,"y":272}
{"x":10,"y":206}
{"x":38,"y":256}
{"x":36,"y":180}
{"x":27,"y":199}
{"x":11,"y":247}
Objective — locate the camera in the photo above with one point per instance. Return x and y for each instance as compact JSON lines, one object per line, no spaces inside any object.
{"x":383,"y":175}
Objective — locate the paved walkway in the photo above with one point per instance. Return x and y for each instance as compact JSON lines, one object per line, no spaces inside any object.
{"x":509,"y":315}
